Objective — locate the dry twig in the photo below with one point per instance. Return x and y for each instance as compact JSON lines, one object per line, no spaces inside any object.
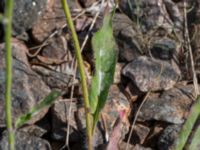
{"x":188,"y":46}
{"x":135,"y":119}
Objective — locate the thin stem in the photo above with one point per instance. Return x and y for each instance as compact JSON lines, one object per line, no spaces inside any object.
{"x":81,"y":69}
{"x":8,"y":103}
{"x":135,"y":119}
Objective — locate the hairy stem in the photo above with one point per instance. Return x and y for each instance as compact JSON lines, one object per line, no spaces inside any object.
{"x":8,"y":103}
{"x":81,"y":69}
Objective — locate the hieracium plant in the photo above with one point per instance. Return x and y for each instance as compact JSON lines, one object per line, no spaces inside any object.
{"x":105,"y":56}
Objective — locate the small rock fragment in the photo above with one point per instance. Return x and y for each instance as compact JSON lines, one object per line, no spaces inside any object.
{"x":171,"y":106}
{"x":153,"y":14}
{"x":164,"y":49}
{"x":122,"y":146}
{"x":24,"y":141}
{"x":34,"y":130}
{"x":61,"y":118}
{"x":149,"y":74}
{"x":117,"y":76}
{"x":152,"y":139}
{"x":139,"y":134}
{"x":26,"y":13}
{"x":132,"y":92}
{"x":54,"y":79}
{"x":56,"y":48}
{"x":53,"y":19}
{"x":168,"y":137}
{"x":128,"y":38}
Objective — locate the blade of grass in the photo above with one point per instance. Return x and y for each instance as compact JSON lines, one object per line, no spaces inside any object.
{"x":47,"y":101}
{"x":1,"y":17}
{"x":8,"y":103}
{"x":195,"y":141}
{"x":187,"y":127}
{"x":81,"y":69}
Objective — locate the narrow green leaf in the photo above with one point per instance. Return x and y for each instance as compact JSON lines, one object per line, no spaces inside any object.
{"x":195,"y":140}
{"x":105,"y":55}
{"x":1,"y":18}
{"x":47,"y":101}
{"x":187,"y":127}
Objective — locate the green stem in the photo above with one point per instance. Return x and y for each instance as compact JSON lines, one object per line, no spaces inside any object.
{"x":8,"y":103}
{"x":82,"y":73}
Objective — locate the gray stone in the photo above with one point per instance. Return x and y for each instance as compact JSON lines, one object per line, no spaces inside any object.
{"x":61,"y":119}
{"x":149,"y":74}
{"x":57,"y":48}
{"x":55,"y":79}
{"x":128,"y":37}
{"x":25,"y":14}
{"x":153,"y":14}
{"x":163,"y":49}
{"x":33,"y":130}
{"x":27,"y":87}
{"x":168,"y":137}
{"x":24,"y":141}
{"x":171,"y":106}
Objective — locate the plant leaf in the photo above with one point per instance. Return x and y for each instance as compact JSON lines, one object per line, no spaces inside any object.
{"x":187,"y":127}
{"x":47,"y":101}
{"x":195,"y":140}
{"x":105,"y":55}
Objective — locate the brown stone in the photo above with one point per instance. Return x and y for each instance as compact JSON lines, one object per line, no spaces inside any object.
{"x":132,"y":92}
{"x":52,"y":19}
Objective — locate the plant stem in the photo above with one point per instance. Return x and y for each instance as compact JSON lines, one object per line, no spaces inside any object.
{"x":82,"y":73}
{"x":8,"y":103}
